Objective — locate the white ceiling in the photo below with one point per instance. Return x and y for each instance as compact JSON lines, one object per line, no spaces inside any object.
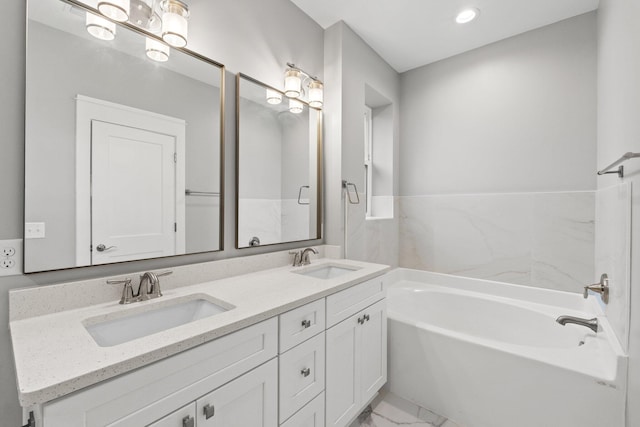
{"x":412,"y":33}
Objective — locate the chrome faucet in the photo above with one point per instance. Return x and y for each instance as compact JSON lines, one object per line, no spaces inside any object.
{"x":304,"y":255}
{"x":149,"y":287}
{"x":301,"y":257}
{"x":589,"y":323}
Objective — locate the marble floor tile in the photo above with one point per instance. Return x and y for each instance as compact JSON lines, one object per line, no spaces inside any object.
{"x":392,"y":411}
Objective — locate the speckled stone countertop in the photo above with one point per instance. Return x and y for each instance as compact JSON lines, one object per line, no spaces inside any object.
{"x":55,"y":355}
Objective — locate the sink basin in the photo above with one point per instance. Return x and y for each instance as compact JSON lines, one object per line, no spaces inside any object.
{"x":329,"y":271}
{"x":123,"y":329}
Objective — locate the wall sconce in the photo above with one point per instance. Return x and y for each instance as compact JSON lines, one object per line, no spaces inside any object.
{"x":295,"y":80}
{"x":174,"y":22}
{"x":274,"y":97}
{"x":99,"y":27}
{"x":118,"y":10}
{"x":156,"y":50}
{"x":295,"y":106}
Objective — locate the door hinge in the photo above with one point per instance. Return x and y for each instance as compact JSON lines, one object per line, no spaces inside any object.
{"x":32,"y":420}
{"x":175,"y":157}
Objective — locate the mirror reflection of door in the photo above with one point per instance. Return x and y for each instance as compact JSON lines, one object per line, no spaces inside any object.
{"x":133,"y":181}
{"x":130,"y":183}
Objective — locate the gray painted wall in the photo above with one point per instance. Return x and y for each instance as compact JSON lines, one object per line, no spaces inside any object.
{"x":618,"y":133}
{"x":517,"y":115}
{"x":247,"y":36}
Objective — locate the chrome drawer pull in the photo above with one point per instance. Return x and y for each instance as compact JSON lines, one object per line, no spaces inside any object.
{"x":366,"y":317}
{"x":188,"y":422}
{"x":209,"y":411}
{"x":361,"y":320}
{"x":305,"y":372}
{"x":306,"y":324}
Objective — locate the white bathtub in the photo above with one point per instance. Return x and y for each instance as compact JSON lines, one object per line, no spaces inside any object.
{"x":490,"y":354}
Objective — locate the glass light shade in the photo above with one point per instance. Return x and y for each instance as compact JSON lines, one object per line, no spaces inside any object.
{"x":156,"y":50}
{"x":100,"y":28}
{"x":274,"y":97}
{"x":174,"y":22}
{"x":295,"y":106}
{"x":292,"y":83}
{"x":118,"y":10}
{"x":315,"y":94}
{"x":467,"y":15}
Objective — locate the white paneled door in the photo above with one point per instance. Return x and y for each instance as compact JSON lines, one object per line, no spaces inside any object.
{"x":133,"y":190}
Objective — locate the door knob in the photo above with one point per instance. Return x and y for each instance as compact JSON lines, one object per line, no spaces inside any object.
{"x":101,"y":247}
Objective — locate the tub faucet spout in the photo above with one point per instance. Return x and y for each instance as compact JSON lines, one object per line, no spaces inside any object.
{"x":588,"y":323}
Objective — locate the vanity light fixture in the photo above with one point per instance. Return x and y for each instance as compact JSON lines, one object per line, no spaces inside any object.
{"x":467,"y":15}
{"x":174,"y":22}
{"x":292,"y":83}
{"x":295,"y":82}
{"x":274,"y":97}
{"x":118,"y":10}
{"x":99,"y":27}
{"x":295,"y":106}
{"x":156,"y":50}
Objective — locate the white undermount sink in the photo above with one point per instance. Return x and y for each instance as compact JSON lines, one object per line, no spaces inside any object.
{"x":327,"y":271}
{"x":112,"y":332}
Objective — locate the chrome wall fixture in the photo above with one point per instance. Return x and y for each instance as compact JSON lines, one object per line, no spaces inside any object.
{"x":167,"y":19}
{"x":297,"y":82}
{"x":620,"y":170}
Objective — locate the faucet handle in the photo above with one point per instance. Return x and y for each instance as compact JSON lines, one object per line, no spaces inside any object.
{"x":127,"y":290}
{"x":297,"y":258}
{"x":601,"y":288}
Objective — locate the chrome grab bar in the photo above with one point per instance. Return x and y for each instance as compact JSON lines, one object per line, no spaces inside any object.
{"x":620,"y":170}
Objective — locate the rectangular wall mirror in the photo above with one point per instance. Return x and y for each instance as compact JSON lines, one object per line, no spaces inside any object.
{"x":123,"y":153}
{"x":278,"y":175}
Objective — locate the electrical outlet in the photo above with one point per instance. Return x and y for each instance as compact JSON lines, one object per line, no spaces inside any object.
{"x":34,"y":230}
{"x":10,"y":257}
{"x":8,"y":251}
{"x":7,"y":263}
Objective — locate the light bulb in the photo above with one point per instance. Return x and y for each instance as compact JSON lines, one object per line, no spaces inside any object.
{"x":274,"y":97}
{"x":174,"y":23}
{"x":315,"y":94}
{"x":292,"y":83}
{"x":295,"y":106}
{"x":100,"y":28}
{"x":156,"y":50}
{"x":467,"y":15}
{"x":118,"y":10}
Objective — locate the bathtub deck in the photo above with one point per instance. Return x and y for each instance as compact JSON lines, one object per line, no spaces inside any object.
{"x":390,"y":410}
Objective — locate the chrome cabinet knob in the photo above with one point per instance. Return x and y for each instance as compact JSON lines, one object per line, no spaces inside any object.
{"x":188,"y":422}
{"x":101,"y":247}
{"x":306,"y":324}
{"x":305,"y":372}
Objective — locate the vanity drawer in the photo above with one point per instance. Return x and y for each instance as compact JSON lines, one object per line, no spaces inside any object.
{"x":350,"y":301}
{"x":301,"y":375}
{"x":312,"y":415}
{"x":301,"y":324}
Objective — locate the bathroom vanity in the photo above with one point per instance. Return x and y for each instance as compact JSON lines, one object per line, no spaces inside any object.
{"x":290,"y":346}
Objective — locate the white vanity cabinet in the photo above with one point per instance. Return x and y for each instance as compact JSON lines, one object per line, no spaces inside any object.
{"x":232,"y":366}
{"x":317,"y":365}
{"x":356,"y":362}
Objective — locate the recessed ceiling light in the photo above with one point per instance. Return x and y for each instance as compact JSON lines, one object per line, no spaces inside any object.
{"x":467,"y":15}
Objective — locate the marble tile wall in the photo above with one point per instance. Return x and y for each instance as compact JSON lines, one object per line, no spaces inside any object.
{"x":372,"y":240}
{"x":273,"y":220}
{"x":613,"y":253}
{"x":537,"y":239}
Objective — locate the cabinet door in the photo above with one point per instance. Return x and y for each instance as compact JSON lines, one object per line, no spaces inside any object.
{"x":342,"y":394}
{"x":184,"y":417}
{"x":250,"y":400}
{"x":372,"y":355}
